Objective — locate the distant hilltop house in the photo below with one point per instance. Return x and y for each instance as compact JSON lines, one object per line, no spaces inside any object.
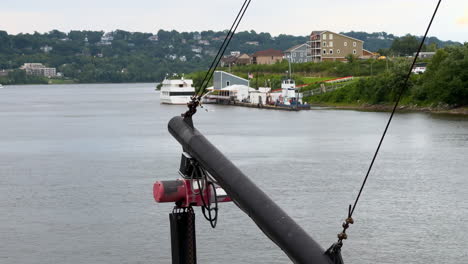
{"x":197,"y":49}
{"x":46,"y":48}
{"x":197,"y":36}
{"x":330,"y":46}
{"x":253,"y":43}
{"x":171,"y":56}
{"x":204,"y":42}
{"x":38,"y":69}
{"x":269,"y":56}
{"x":106,"y":39}
{"x":235,"y":53}
{"x":298,"y":53}
{"x":153,"y":38}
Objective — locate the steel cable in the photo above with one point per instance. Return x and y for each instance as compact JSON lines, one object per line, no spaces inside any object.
{"x":351,"y":209}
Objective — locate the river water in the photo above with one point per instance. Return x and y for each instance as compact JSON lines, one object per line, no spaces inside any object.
{"x":77,"y":165}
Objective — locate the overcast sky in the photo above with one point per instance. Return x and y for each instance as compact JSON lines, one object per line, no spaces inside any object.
{"x":295,"y":17}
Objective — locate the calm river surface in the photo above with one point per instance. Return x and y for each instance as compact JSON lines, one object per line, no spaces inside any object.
{"x":78,"y":162}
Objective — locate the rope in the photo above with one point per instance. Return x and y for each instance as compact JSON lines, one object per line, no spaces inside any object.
{"x":195,"y":102}
{"x":206,"y":208}
{"x":349,"y":220}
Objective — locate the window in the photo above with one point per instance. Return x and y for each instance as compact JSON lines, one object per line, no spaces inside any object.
{"x":324,"y":43}
{"x":228,"y":83}
{"x":330,"y":37}
{"x":324,"y":51}
{"x":331,"y":51}
{"x":338,"y":51}
{"x":300,"y":60}
{"x":354,"y":51}
{"x":302,"y":54}
{"x":345,"y":44}
{"x":180,"y":93}
{"x":294,"y":54}
{"x":324,"y":36}
{"x":354,"y":44}
{"x":330,"y":44}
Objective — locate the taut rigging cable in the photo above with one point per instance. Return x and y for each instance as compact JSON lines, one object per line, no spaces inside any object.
{"x":193,"y":104}
{"x":334,"y":251}
{"x":351,"y":209}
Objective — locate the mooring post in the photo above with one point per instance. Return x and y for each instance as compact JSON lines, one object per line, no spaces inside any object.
{"x":183,"y":237}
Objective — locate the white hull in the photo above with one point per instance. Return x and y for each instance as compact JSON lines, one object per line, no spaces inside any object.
{"x":177,"y":100}
{"x":176,"y":92}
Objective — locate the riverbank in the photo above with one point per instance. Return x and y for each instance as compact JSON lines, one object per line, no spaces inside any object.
{"x":402,"y":108}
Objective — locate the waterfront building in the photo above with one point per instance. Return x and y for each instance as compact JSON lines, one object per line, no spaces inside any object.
{"x":298,"y":53}
{"x":223,"y":79}
{"x":425,"y":55}
{"x":330,"y":46}
{"x":419,"y":68}
{"x":4,"y":72}
{"x":39,"y":69}
{"x":270,"y":56}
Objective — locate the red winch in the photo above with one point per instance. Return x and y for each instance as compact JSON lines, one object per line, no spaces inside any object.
{"x":189,"y":192}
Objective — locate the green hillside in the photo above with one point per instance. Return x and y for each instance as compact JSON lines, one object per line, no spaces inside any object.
{"x":122,"y":56}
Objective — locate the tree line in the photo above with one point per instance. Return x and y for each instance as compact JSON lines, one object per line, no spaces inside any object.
{"x":82,"y":56}
{"x":444,"y":84}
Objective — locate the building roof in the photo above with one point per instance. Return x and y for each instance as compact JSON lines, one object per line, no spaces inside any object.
{"x":268,"y":52}
{"x":296,"y":47}
{"x":318,"y":32}
{"x":367,"y":52}
{"x":232,"y":75}
{"x":425,"y":53}
{"x":229,"y":59}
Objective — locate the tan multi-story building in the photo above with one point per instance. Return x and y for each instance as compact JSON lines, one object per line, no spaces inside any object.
{"x":269,"y":56}
{"x":38,"y":69}
{"x":329,"y":46}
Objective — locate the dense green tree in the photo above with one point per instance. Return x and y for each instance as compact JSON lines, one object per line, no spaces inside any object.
{"x":446,"y":79}
{"x":131,"y":56}
{"x":406,"y":45}
{"x":55,"y":34}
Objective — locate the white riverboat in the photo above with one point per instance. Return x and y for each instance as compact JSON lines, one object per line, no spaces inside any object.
{"x":178,"y":91}
{"x":1,"y":86}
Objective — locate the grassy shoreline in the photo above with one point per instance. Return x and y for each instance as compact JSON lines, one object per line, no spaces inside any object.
{"x":401,"y":108}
